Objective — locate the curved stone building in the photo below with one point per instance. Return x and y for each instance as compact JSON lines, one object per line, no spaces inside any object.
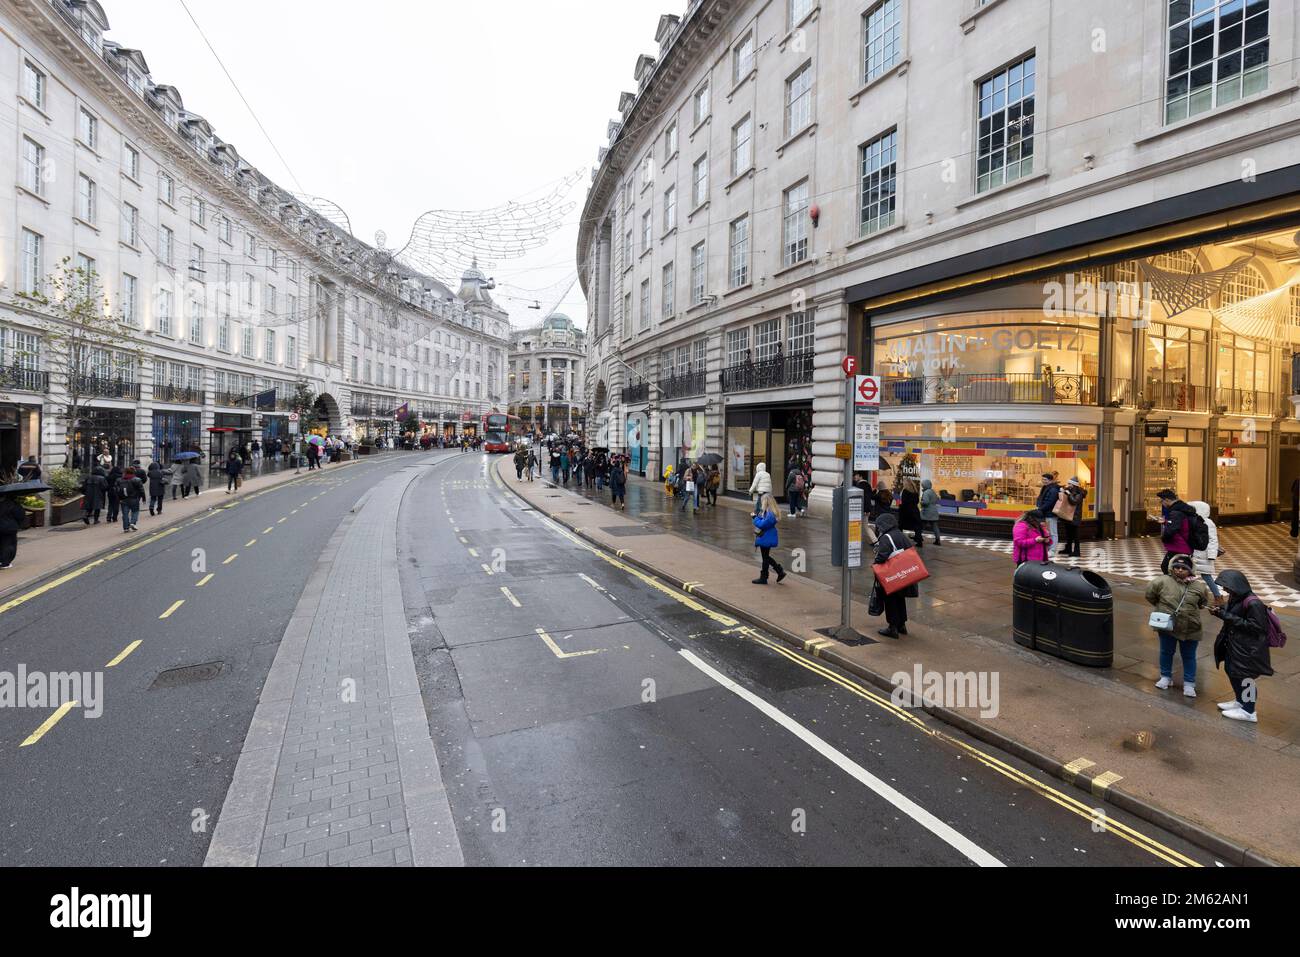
{"x":546,"y":375}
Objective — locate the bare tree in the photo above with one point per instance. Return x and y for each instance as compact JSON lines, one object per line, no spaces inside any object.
{"x":87,"y":347}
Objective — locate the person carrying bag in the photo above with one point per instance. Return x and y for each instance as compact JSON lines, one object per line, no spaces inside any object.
{"x":898,"y":569}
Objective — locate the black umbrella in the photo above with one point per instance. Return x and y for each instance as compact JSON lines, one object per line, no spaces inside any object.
{"x":24,"y":488}
{"x":600,"y":448}
{"x":186,"y":456}
{"x":710,"y":458}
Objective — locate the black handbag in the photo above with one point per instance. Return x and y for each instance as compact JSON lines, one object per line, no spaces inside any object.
{"x":876,"y":603}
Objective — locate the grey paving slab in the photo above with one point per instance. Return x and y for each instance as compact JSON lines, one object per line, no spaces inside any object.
{"x":338,"y":767}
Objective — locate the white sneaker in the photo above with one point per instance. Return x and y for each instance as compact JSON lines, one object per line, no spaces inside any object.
{"x":1238,"y":714}
{"x":1163,"y":683}
{"x":1189,"y":691}
{"x":1228,"y":705}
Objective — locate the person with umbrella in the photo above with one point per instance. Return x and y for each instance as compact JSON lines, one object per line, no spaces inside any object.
{"x":13,"y":517}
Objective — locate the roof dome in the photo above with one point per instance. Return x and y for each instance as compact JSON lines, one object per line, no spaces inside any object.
{"x":474,"y":285}
{"x":558,"y":321}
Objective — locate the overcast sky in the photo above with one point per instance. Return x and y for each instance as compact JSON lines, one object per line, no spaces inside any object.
{"x":392,"y":107}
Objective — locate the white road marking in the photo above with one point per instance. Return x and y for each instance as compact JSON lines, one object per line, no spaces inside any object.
{"x":905,"y":804}
{"x":509,"y":594}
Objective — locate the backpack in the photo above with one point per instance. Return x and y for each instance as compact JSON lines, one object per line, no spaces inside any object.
{"x":798,"y":481}
{"x":1276,"y":636}
{"x":1198,"y":533}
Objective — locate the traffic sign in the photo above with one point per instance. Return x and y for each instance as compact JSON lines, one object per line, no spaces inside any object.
{"x":293,"y":416}
{"x":843,"y":450}
{"x":868,"y":390}
{"x":866,"y":424}
{"x":849,"y":365}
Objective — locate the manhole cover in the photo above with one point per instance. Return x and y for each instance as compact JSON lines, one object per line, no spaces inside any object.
{"x":187,"y":675}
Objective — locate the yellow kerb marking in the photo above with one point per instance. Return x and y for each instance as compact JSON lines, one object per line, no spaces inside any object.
{"x":231,"y":559}
{"x":250,"y":543}
{"x":49,"y":722}
{"x":125,"y":651}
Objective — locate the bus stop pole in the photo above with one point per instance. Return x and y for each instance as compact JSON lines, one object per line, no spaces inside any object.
{"x":846,"y":573}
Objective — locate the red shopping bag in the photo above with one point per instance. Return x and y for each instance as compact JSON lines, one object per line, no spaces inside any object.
{"x":899,"y":570}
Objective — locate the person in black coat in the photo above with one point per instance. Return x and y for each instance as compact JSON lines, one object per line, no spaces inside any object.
{"x":892,"y":540}
{"x":29,"y":471}
{"x":909,"y":511}
{"x":13,"y":517}
{"x":94,"y":491}
{"x":114,"y":493}
{"x":234,"y":465}
{"x":881,"y":503}
{"x":1242,"y":645}
{"x":158,"y":479}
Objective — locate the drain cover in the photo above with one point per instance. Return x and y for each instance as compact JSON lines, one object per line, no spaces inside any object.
{"x":175,"y":677}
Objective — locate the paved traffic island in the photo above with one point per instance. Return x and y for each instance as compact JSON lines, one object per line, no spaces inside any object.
{"x":1217,"y":785}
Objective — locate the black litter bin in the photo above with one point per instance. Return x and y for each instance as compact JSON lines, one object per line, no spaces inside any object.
{"x":1066,"y":612}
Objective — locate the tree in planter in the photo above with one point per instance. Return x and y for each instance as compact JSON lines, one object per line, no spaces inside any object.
{"x":88,"y":348}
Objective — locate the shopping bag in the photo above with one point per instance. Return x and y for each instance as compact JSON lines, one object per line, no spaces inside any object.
{"x":900,"y":570}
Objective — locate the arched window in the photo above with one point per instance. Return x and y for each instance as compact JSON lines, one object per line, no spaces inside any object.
{"x":1247,"y":283}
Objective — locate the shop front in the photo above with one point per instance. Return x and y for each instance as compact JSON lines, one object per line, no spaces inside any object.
{"x":681,"y":435}
{"x":176,"y":431}
{"x":103,"y":431}
{"x":778,"y":436}
{"x":20,"y":435}
{"x":637,"y":438}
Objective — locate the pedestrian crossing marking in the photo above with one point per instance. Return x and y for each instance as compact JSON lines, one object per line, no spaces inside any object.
{"x":473,"y":553}
{"x":486,"y":569}
{"x":122,"y":656}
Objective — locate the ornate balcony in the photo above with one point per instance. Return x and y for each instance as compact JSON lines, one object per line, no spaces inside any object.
{"x":773,"y":373}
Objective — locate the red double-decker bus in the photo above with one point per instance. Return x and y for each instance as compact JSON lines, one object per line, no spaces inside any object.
{"x":501,"y":432}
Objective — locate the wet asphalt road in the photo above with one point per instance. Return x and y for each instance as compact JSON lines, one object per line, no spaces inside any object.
{"x":615,"y":734}
{"x":129,"y":787}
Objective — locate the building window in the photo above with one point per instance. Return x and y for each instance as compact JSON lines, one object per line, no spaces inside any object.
{"x":166,"y":245}
{"x":627,"y":249}
{"x":250,"y":245}
{"x":197,"y":263}
{"x":88,"y":128}
{"x":223,"y":334}
{"x":670,"y":141}
{"x":700,"y":104}
{"x":130,"y":224}
{"x":879,"y":183}
{"x":700,"y":181}
{"x":273,"y":260}
{"x":742,"y":58}
{"x":767,"y":339}
{"x":667,"y":291}
{"x":132,"y":162}
{"x":248,"y":342}
{"x":697,"y":274}
{"x":799,"y":333}
{"x":882,"y":29}
{"x":798,"y":100}
{"x":33,"y":166}
{"x":627,"y":325}
{"x":250,"y":288}
{"x":86,"y":200}
{"x":1218,"y":53}
{"x":794,"y":225}
{"x":32,"y":279}
{"x":130,"y":293}
{"x":798,"y":10}
{"x":196,"y":321}
{"x":1005,"y":149}
{"x":166,"y":189}
{"x":291,"y":351}
{"x":199,"y":211}
{"x":740,"y":146}
{"x":227,"y":231}
{"x":163,"y":319}
{"x":737,"y":346}
{"x":646,"y":229}
{"x":1245,"y":284}
{"x":647,"y":170}
{"x":33,"y":85}
{"x":643,"y":322}
{"x":273,"y":304}
{"x":670,"y":208}
{"x":738,"y":254}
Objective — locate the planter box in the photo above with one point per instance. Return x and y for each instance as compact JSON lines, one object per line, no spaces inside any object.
{"x":364,"y":449}
{"x":35,"y":519}
{"x":65,"y":513}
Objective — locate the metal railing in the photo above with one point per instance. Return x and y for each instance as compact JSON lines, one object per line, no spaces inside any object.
{"x":680,"y":386}
{"x":636,"y":393}
{"x":1246,"y":402}
{"x":992,"y":388}
{"x":778,"y":371}
{"x":1177,"y":396}
{"x":23,"y":379}
{"x":105,"y":388}
{"x":178,"y":393}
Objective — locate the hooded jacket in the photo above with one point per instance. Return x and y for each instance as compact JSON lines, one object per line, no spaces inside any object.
{"x":1242,"y":645}
{"x":909,"y":511}
{"x":892,"y":539}
{"x":929,"y":502}
{"x":765,"y":530}
{"x":1025,"y":547}
{"x":12,"y":515}
{"x":762,"y":484}
{"x":1203,"y":559}
{"x":157,"y":479}
{"x":1183,"y":600}
{"x":95,"y":490}
{"x":1175,"y":533}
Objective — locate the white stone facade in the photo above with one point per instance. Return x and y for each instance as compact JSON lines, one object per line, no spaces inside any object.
{"x":546,"y":375}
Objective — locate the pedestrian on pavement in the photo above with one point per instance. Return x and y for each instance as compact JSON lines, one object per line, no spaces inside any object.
{"x":929,"y":511}
{"x":533,"y":464}
{"x":715,"y":483}
{"x":1069,"y":512}
{"x":565,"y":466}
{"x":892,"y":539}
{"x":555,"y":467}
{"x":795,"y":482}
{"x":1180,"y":595}
{"x":94,"y":491}
{"x":766,"y":538}
{"x":762,"y":485}
{"x":13,"y":518}
{"x":521,"y":459}
{"x":158,"y":479}
{"x":114,"y":479}
{"x":177,"y":478}
{"x":882,"y":502}
{"x":105,"y":459}
{"x":1203,"y":559}
{"x":1048,"y":496}
{"x":909,"y":511}
{"x":191,"y":478}
{"x":1242,"y":645}
{"x":234,"y":465}
{"x":1031,"y":539}
{"x":29,"y":471}
{"x":131,"y":491}
{"x":618,"y":484}
{"x":1177,"y":529}
{"x":257,"y":456}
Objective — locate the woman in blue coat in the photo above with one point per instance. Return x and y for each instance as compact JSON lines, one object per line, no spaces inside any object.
{"x":765,"y":538}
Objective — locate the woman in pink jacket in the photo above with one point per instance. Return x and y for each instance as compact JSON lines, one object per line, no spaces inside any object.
{"x":1031,"y":539}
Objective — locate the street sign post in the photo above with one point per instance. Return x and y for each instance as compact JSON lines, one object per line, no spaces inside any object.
{"x":866,"y":424}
